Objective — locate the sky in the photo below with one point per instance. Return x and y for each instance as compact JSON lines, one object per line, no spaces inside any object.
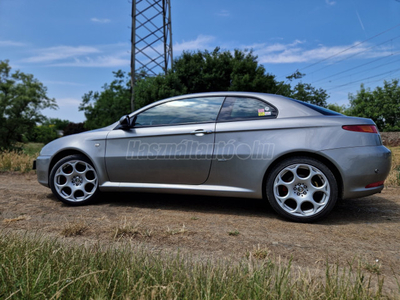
{"x":73,"y":46}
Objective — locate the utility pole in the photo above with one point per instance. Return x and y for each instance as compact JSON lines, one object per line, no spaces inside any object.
{"x":151,"y":39}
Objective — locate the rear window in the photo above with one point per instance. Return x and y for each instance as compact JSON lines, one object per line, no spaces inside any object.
{"x":321,"y":110}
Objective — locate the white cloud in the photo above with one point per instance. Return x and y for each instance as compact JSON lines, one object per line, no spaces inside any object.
{"x":96,"y":20}
{"x":111,"y":55}
{"x":97,"y":62}
{"x":298,"y":52}
{"x":330,"y":3}
{"x":202,"y":42}
{"x":224,"y":13}
{"x":47,"y":82}
{"x":60,"y":52}
{"x":11,"y":44}
{"x":65,"y":102}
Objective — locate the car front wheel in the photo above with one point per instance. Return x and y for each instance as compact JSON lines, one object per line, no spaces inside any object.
{"x":74,"y":180}
{"x":302,"y":189}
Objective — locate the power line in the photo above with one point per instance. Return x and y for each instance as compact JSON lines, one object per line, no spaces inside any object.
{"x":374,"y":68}
{"x":350,"y":56}
{"x":356,"y":67}
{"x":350,"y":83}
{"x":351,"y":47}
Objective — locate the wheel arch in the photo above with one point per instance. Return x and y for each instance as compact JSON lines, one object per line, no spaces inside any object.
{"x":313,"y":155}
{"x":56,"y":158}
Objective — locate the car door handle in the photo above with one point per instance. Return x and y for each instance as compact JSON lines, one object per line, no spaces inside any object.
{"x":200,"y":132}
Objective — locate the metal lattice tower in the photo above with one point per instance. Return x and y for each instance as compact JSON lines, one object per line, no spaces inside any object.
{"x":151,"y":38}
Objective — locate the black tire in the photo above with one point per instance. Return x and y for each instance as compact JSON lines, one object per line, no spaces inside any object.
{"x":74,"y":180}
{"x":301,"y":189}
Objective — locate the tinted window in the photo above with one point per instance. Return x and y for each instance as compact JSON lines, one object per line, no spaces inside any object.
{"x":196,"y":110}
{"x":239,"y":108}
{"x":319,"y":109}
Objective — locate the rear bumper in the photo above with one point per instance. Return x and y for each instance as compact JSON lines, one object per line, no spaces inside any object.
{"x":360,"y":166}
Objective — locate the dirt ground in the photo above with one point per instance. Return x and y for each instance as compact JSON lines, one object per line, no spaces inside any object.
{"x":367,"y":229}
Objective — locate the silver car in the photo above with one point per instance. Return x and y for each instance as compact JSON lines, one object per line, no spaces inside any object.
{"x":300,"y":157}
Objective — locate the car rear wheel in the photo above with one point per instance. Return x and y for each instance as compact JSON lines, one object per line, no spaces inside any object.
{"x":302,"y":189}
{"x":74,"y":180}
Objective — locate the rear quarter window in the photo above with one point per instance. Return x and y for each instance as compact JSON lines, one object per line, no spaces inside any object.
{"x":242,"y":108}
{"x":321,"y":110}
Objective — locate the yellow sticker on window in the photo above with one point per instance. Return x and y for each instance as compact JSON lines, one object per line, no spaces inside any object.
{"x":261,"y":112}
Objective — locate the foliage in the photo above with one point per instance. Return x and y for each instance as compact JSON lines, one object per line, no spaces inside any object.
{"x":381,"y":105}
{"x":307,"y":93}
{"x":58,"y":124}
{"x":342,"y":109}
{"x":156,"y":88}
{"x":44,"y":134}
{"x":106,"y":107}
{"x":40,"y":268}
{"x":73,"y":128}
{"x":192,"y":72}
{"x":205,"y":72}
{"x":48,"y":130}
{"x":21,"y":98}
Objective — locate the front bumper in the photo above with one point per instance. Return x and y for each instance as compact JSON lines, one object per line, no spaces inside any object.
{"x":42,"y":169}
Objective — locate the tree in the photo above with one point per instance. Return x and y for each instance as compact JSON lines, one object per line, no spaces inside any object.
{"x":73,"y":128}
{"x":104,"y":108}
{"x":307,"y":93}
{"x":381,"y":105}
{"x":208,"y":71}
{"x":49,"y":129}
{"x":22,"y":97}
{"x":342,"y":109}
{"x":57,"y":123}
{"x":192,"y":72}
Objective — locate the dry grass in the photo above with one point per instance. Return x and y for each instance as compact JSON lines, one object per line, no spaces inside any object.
{"x":394,"y":176}
{"x":74,"y":229}
{"x":180,"y":230}
{"x":20,"y":218}
{"x":16,"y":161}
{"x":258,"y":253}
{"x":127,"y":229}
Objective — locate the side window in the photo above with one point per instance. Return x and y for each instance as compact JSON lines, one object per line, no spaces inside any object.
{"x":241,"y":109}
{"x":196,"y":110}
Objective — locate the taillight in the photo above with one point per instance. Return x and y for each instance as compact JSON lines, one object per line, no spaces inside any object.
{"x":375,"y":184}
{"x":361,"y":128}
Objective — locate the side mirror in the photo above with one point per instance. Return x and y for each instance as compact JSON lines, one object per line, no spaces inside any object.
{"x":125,"y":122}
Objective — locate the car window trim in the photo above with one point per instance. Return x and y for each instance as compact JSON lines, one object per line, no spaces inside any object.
{"x":246,"y":119}
{"x":177,"y":124}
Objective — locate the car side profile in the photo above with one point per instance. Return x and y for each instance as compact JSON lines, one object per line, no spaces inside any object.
{"x":300,"y":157}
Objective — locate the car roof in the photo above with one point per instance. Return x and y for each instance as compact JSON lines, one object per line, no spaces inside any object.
{"x":287,"y":107}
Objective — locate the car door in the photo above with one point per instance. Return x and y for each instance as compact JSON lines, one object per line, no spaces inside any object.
{"x":170,"y":143}
{"x":243,"y":144}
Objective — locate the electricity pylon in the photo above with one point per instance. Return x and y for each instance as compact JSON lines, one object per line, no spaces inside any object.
{"x":151,"y":39}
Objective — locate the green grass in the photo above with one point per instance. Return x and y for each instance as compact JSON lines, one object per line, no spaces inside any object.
{"x":40,"y":268}
{"x":32,"y":149}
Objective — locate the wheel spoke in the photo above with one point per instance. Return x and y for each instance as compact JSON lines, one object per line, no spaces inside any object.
{"x":301,"y":190}
{"x":75,"y":180}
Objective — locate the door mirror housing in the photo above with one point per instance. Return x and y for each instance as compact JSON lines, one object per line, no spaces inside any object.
{"x":125,"y":122}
